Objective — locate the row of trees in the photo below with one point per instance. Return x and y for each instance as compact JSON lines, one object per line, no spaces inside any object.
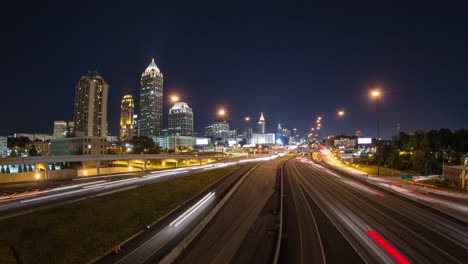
{"x":425,"y":151}
{"x":139,"y":145}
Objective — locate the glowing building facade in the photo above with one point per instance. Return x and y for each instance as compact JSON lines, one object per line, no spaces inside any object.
{"x":90,"y":116}
{"x":60,"y":129}
{"x":261,"y":125}
{"x":180,"y":120}
{"x":126,"y":118}
{"x":151,"y":101}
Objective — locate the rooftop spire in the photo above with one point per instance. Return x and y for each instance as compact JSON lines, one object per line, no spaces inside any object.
{"x":152,"y":68}
{"x":262,"y":119}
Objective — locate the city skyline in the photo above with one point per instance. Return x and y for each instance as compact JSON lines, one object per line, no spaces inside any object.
{"x":202,"y":67}
{"x":229,"y":132}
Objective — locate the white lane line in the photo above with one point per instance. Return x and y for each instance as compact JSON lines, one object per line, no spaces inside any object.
{"x":110,"y":183}
{"x":191,"y":210}
{"x":53,"y":195}
{"x":74,"y":186}
{"x":164,"y":174}
{"x":100,"y":177}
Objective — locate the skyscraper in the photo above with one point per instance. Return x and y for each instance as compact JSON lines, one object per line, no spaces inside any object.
{"x":261,"y":124}
{"x":181,"y":120}
{"x":218,"y":131}
{"x":248,"y":134}
{"x":126,"y":118}
{"x":135,"y":124}
{"x":90,"y":115}
{"x":60,"y":129}
{"x":71,"y":129}
{"x":151,"y":101}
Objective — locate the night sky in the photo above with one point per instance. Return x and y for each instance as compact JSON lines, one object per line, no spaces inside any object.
{"x":292,"y":61}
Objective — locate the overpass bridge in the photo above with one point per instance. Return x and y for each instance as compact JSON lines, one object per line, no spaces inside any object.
{"x":99,"y":162}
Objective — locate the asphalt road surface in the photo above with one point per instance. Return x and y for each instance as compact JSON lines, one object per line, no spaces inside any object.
{"x":331,"y":217}
{"x":153,"y":244}
{"x":221,"y":241}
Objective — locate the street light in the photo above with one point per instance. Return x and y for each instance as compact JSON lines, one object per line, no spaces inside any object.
{"x":221,"y":112}
{"x":375,"y":95}
{"x":174,"y":99}
{"x":247,"y":118}
{"x":341,"y":114}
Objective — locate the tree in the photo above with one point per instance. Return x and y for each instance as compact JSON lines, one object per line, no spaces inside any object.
{"x":19,"y":142}
{"x":13,"y":153}
{"x":403,"y":142}
{"x":243,"y":142}
{"x":386,"y":151}
{"x":144,"y":145}
{"x":32,"y":151}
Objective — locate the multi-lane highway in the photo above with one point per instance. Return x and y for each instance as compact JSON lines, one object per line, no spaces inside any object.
{"x":166,"y":236}
{"x":153,"y":244}
{"x":240,"y":231}
{"x":331,"y":217}
{"x":15,"y":201}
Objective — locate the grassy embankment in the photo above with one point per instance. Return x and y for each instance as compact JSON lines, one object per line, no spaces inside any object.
{"x":81,"y":231}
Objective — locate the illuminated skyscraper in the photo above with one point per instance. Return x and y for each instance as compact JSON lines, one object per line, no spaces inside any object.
{"x":181,"y":120}
{"x":126,"y":118}
{"x":60,"y":129}
{"x":261,"y":124}
{"x":90,"y":115}
{"x":135,"y":124}
{"x":151,"y":101}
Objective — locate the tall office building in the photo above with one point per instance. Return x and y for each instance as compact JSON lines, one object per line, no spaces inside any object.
{"x":181,"y":120}
{"x":60,"y":129}
{"x":261,"y":124}
{"x":126,"y":118}
{"x":71,"y":129}
{"x":90,"y":115}
{"x":218,"y":131}
{"x":248,"y":134}
{"x":151,"y":101}
{"x":135,"y":124}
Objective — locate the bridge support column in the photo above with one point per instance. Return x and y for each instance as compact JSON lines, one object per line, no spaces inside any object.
{"x":46,"y":173}
{"x":144,"y":164}
{"x":98,"y":167}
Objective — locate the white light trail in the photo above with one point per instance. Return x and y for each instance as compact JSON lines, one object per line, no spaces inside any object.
{"x":191,"y":210}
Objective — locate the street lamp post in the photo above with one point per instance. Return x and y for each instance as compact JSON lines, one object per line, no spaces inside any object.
{"x":174,"y":99}
{"x":375,"y":94}
{"x":223,"y":114}
{"x":341,"y":114}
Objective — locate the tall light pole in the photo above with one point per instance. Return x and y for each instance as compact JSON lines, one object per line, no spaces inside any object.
{"x":223,"y":114}
{"x":341,"y":114}
{"x":174,"y":99}
{"x":375,"y":95}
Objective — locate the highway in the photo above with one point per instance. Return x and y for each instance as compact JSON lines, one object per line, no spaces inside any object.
{"x":239,"y":232}
{"x":330,"y":217}
{"x":153,"y":244}
{"x":13,"y":202}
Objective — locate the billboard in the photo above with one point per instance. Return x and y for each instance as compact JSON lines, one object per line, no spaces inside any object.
{"x":201,"y":141}
{"x":363,"y":141}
